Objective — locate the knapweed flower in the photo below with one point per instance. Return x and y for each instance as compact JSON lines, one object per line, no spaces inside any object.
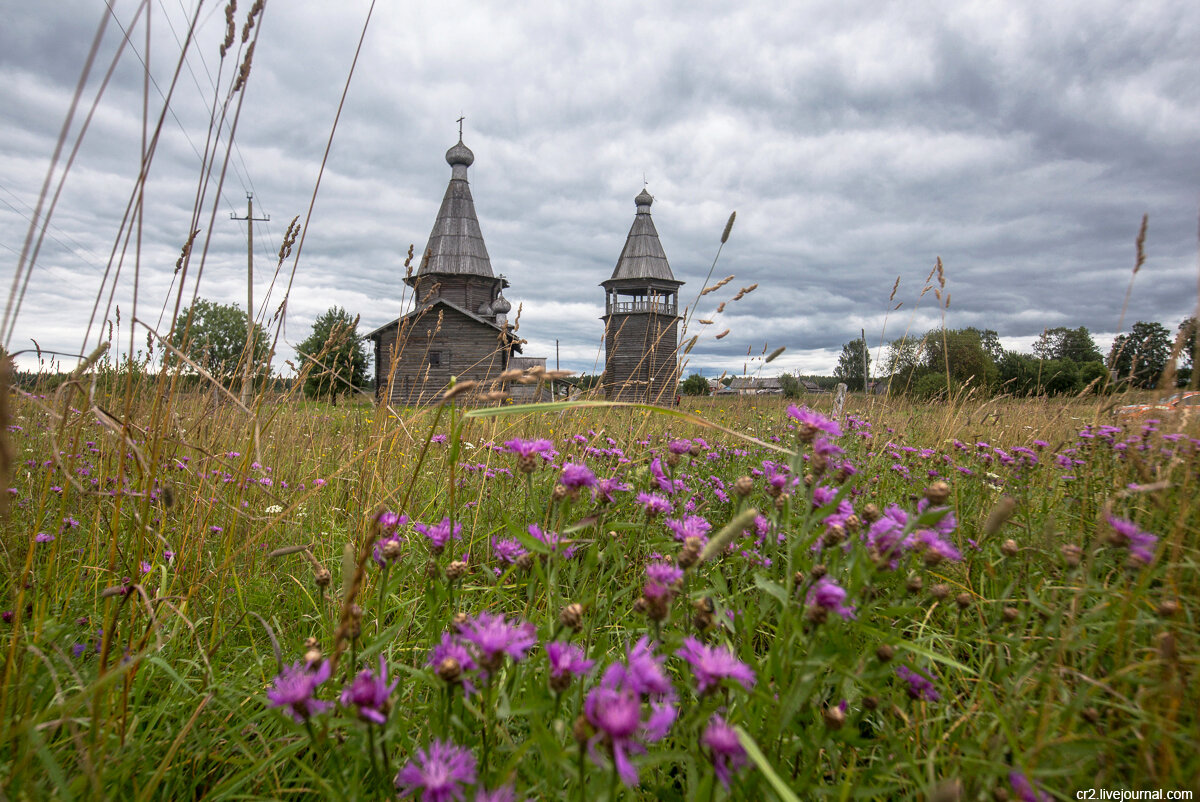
{"x":653,"y":504}
{"x":662,"y":580}
{"x":691,"y":526}
{"x":679,"y":447}
{"x":439,"y":534}
{"x":567,"y":661}
{"x":507,"y":550}
{"x":43,"y":537}
{"x":721,"y":741}
{"x":494,"y":637}
{"x":1025,"y":790}
{"x":295,"y":687}
{"x":530,"y":453}
{"x":504,"y":793}
{"x":919,"y":686}
{"x":829,"y":595}
{"x":450,"y":658}
{"x":369,"y":693}
{"x":811,"y":422}
{"x":440,"y":773}
{"x":614,"y":708}
{"x":932,"y":546}
{"x":576,"y":476}
{"x":1140,"y":544}
{"x":607,"y":489}
{"x":551,"y":539}
{"x":711,"y":664}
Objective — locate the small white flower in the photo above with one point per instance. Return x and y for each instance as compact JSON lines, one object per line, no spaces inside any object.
{"x":274,"y":509}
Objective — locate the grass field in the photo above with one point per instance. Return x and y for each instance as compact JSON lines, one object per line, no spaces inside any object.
{"x":985,"y":600}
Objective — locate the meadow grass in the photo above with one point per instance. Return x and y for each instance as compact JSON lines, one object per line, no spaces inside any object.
{"x":995,"y":635}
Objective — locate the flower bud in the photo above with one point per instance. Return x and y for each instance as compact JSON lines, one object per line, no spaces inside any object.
{"x":581,"y":730}
{"x":450,"y":670}
{"x":1072,"y":554}
{"x":963,"y":600}
{"x":885,"y":652}
{"x":870,"y":702}
{"x":460,"y":619}
{"x":390,"y":550}
{"x":689,"y":554}
{"x":432,"y":570}
{"x":743,"y":486}
{"x":1168,"y":608}
{"x":559,"y":492}
{"x":1009,"y":548}
{"x":817,"y":571}
{"x":571,"y":616}
{"x":914,"y":583}
{"x":322,"y":577}
{"x":456,"y":570}
{"x":834,"y":718}
{"x":870,"y":513}
{"x":1010,"y":614}
{"x":672,"y":459}
{"x":940,"y":591}
{"x":937,"y":493}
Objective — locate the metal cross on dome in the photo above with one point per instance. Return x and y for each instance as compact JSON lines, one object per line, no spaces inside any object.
{"x":460,"y":121}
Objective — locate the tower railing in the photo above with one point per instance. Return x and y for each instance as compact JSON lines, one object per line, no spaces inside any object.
{"x":643,"y":305}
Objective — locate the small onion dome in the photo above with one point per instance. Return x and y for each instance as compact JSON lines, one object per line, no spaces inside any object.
{"x":644,"y":198}
{"x":501,"y":306}
{"x":484,"y":310}
{"x":460,"y":154}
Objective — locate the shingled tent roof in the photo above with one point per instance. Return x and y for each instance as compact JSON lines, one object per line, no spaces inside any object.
{"x":643,"y":255}
{"x":456,"y":244}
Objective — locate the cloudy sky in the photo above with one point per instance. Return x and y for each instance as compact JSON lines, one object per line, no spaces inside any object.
{"x":858,"y":142}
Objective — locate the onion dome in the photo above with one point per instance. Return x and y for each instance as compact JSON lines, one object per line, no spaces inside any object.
{"x":644,"y":198}
{"x":484,"y":310}
{"x":501,"y":306}
{"x":460,"y":154}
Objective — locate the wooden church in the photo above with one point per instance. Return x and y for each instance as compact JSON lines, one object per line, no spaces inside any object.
{"x":641,"y":317}
{"x":458,"y":325}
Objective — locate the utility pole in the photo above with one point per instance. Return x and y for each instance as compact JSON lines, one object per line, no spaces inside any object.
{"x":247,"y":371}
{"x":554,"y":397}
{"x":865,"y":358}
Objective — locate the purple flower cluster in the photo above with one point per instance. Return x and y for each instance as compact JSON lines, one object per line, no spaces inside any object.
{"x":726,"y":749}
{"x":919,"y":686}
{"x":711,"y":664}
{"x":439,"y":772}
{"x":439,"y":534}
{"x":295,"y":689}
{"x":829,"y":595}
{"x":493,"y":637}
{"x":615,"y":708}
{"x":369,"y":693}
{"x":662,"y":580}
{"x":1140,"y":544}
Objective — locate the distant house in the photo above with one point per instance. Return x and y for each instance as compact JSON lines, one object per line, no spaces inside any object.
{"x":810,"y":386}
{"x":753,"y":385}
{"x":533,"y":392}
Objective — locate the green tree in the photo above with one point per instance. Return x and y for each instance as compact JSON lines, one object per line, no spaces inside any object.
{"x":854,"y":364}
{"x":694,"y":385}
{"x":990,"y":341}
{"x":962,"y":350}
{"x":213,"y":336}
{"x":1140,"y":356}
{"x":1060,"y":342}
{"x":337,"y":355}
{"x":1187,"y":330}
{"x":790,"y":385}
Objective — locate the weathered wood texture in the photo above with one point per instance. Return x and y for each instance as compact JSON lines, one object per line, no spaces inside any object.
{"x":416,"y":356}
{"x":641,"y":361}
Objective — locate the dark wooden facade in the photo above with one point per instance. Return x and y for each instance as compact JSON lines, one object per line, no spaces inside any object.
{"x":641,"y":318}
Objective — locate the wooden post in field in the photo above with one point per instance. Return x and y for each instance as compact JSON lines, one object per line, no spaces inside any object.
{"x":247,"y":370}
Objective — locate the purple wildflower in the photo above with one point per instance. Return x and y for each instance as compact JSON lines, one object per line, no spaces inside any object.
{"x":507,"y":550}
{"x":576,"y":476}
{"x":494,"y":637}
{"x":439,"y":534}
{"x":616,"y":713}
{"x":711,"y":664}
{"x":829,"y":595}
{"x":727,"y":753}
{"x":43,"y":537}
{"x":607,"y":488}
{"x":567,"y":660}
{"x":691,"y":526}
{"x":919,"y":686}
{"x":369,"y":693}
{"x":551,"y":539}
{"x":812,"y":422}
{"x":679,"y":447}
{"x":294,"y":688}
{"x":1025,"y":790}
{"x":504,"y":793}
{"x":653,"y":504}
{"x":661,"y":579}
{"x":1140,"y":544}
{"x":440,"y":772}
{"x":643,"y":672}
